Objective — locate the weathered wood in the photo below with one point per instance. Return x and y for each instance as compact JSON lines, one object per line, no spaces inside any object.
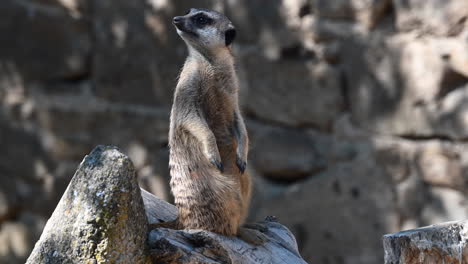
{"x":441,"y":243}
{"x":278,"y":245}
{"x":157,"y":210}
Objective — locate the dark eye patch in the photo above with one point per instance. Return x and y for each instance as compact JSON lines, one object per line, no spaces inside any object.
{"x":202,"y":20}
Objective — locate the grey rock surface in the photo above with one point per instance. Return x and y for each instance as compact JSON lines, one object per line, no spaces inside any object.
{"x":316,"y":101}
{"x":434,"y":16}
{"x":52,"y":27}
{"x":441,"y":243}
{"x":100,"y":218}
{"x":342,"y":222}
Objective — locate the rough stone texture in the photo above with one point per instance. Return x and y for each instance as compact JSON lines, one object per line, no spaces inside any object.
{"x":442,"y":243}
{"x":444,"y":204}
{"x":367,"y":12}
{"x":356,"y":214}
{"x":409,"y":78}
{"x":100,"y":218}
{"x":54,"y":43}
{"x":316,"y":100}
{"x":284,"y":154}
{"x":19,"y":236}
{"x":444,"y":17}
{"x":323,"y":84}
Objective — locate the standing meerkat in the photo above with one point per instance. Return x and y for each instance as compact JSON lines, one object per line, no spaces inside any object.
{"x":207,"y":139}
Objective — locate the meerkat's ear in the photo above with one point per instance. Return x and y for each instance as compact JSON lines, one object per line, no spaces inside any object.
{"x":230,"y":35}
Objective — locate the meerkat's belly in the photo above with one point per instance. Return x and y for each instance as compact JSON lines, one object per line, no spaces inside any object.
{"x":206,"y":198}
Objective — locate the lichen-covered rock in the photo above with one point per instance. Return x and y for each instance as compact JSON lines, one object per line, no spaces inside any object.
{"x":442,"y":243}
{"x":100,"y":218}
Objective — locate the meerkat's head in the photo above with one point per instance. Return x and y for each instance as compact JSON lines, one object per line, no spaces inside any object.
{"x":205,"y":30}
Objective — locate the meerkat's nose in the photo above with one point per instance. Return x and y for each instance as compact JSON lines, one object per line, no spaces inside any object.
{"x":177,"y":20}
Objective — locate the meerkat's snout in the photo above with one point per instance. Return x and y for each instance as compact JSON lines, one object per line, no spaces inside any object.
{"x":177,"y":21}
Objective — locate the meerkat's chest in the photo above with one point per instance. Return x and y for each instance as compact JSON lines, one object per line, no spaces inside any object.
{"x":218,"y":105}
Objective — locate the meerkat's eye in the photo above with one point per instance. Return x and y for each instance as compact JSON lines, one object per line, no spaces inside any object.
{"x":202,"y":20}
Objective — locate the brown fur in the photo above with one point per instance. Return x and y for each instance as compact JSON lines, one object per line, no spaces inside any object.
{"x":207,"y":129}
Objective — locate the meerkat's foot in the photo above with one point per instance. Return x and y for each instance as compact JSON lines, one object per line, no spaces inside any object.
{"x":241,"y":164}
{"x":252,"y":236}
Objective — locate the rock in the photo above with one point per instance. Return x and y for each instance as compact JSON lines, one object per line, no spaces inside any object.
{"x":284,"y":154}
{"x":441,"y":243}
{"x":274,"y":28}
{"x":326,"y":30}
{"x":395,"y":86}
{"x":316,"y":101}
{"x":127,"y":36}
{"x":17,"y":237}
{"x":62,"y":42}
{"x":370,"y":12}
{"x":69,"y":122}
{"x":412,"y":196}
{"x":444,"y":205}
{"x":26,"y":167}
{"x":338,"y":216}
{"x":365,"y":11}
{"x":440,"y":57}
{"x":24,"y":152}
{"x":442,"y":166}
{"x":396,"y":158}
{"x":100,"y":217}
{"x":340,"y":9}
{"x":440,"y":17}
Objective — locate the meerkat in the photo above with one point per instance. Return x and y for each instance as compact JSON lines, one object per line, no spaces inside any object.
{"x":208,"y":139}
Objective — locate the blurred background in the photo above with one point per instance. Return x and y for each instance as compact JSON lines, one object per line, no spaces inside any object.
{"x":356,"y":109}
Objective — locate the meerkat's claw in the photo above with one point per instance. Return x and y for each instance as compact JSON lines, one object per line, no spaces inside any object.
{"x":218,"y":164}
{"x":241,"y":164}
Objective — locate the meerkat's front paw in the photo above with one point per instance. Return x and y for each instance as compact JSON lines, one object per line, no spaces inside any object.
{"x":241,"y":164}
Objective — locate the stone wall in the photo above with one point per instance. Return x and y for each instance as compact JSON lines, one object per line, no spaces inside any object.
{"x":356,"y":110}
